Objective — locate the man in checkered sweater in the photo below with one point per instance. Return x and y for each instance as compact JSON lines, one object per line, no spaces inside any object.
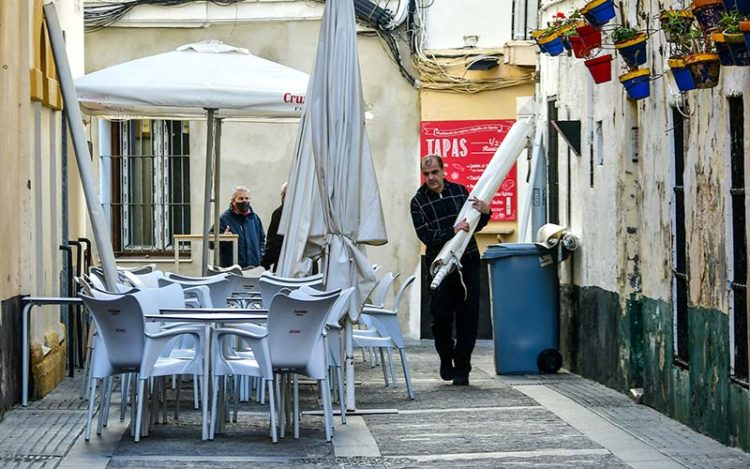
{"x":434,"y":209}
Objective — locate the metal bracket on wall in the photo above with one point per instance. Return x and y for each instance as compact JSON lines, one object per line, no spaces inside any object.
{"x":570,"y":131}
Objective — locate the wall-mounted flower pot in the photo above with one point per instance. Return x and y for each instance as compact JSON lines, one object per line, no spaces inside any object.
{"x":633,"y":51}
{"x":681,"y":21}
{"x":738,"y":49}
{"x":591,"y":35}
{"x":705,"y":68}
{"x":707,"y":13}
{"x":745,"y":29}
{"x":637,"y":83}
{"x":722,"y":48}
{"x":600,"y":68}
{"x":551,"y":44}
{"x":743,"y":6}
{"x":681,"y":74}
{"x":599,"y":12}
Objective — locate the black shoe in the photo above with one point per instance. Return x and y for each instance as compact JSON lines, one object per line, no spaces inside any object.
{"x":461,"y":381}
{"x":446,"y":371}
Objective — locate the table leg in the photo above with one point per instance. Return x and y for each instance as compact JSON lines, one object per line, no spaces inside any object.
{"x":25,"y":355}
{"x":206,"y":377}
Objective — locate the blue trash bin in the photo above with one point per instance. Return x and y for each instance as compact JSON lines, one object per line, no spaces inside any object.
{"x":525,"y":300}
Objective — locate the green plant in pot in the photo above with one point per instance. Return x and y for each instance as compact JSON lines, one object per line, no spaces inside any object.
{"x":732,"y":38}
{"x":631,"y":45}
{"x":676,"y":23}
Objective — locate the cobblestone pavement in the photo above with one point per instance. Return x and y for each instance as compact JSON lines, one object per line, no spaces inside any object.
{"x":553,"y":421}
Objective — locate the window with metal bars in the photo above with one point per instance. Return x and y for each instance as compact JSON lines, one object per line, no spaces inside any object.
{"x":150,"y":174}
{"x":738,"y":284}
{"x":679,"y":249}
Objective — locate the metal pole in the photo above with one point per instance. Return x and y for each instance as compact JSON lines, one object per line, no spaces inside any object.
{"x":217,"y":187}
{"x":83,"y":156}
{"x":207,"y":189}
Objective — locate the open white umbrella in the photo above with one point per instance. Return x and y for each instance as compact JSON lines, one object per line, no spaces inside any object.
{"x":209,"y":80}
{"x":486,"y":187}
{"x":337,"y":211}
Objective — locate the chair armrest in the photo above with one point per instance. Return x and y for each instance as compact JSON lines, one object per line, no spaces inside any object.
{"x":376,"y":311}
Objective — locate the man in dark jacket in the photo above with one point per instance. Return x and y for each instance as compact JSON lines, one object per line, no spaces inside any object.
{"x":274,"y":240}
{"x":240,"y":219}
{"x":434,"y":209}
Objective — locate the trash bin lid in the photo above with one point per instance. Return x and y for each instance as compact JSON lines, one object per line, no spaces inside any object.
{"x":495,"y":251}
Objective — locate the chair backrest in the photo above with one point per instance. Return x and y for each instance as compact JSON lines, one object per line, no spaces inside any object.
{"x":119,"y":323}
{"x":253,"y":271}
{"x":217,"y":285}
{"x":215,"y":270}
{"x":271,"y":285}
{"x":145,"y":280}
{"x":165,"y":296}
{"x":401,"y":291}
{"x":309,"y":279}
{"x":339,"y":309}
{"x":380,"y":292}
{"x":295,"y":333}
{"x":243,"y":285}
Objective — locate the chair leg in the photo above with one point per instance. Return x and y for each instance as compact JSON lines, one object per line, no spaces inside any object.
{"x":295,"y":404}
{"x":86,"y":371}
{"x":281,"y":391}
{"x":102,"y":405}
{"x":390,"y":367}
{"x":214,"y":405}
{"x":237,"y":388}
{"x":124,"y":393}
{"x":272,"y":410}
{"x":407,"y":377}
{"x":325,"y":395}
{"x":342,"y":395}
{"x":90,"y":415}
{"x":164,"y":399}
{"x":139,"y":408}
{"x":196,"y":385}
{"x":177,"y":399}
{"x":382,"y":366}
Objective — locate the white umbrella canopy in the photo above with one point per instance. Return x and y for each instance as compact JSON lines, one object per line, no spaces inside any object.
{"x":333,"y":207}
{"x":333,"y":163}
{"x":502,"y":161}
{"x":195,"y":77}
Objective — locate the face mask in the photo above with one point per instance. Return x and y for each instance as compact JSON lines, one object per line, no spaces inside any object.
{"x":243,"y":206}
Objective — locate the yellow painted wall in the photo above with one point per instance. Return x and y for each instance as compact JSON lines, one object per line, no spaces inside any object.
{"x":494,"y":104}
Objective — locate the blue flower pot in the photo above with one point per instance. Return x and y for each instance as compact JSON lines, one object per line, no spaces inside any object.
{"x":554,"y":47}
{"x":599,"y":12}
{"x":682,"y":76}
{"x":729,"y":5}
{"x":743,"y":6}
{"x":633,"y":51}
{"x":738,"y":49}
{"x":725,"y":55}
{"x":637,"y":84}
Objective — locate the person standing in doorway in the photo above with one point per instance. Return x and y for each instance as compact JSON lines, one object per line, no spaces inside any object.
{"x":241,"y":220}
{"x":434,"y":212}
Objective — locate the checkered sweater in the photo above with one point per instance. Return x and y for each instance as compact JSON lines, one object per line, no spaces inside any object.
{"x":435,"y":214}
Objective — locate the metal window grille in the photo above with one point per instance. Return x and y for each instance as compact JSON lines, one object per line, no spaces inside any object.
{"x":738,"y":294}
{"x":150,"y":198}
{"x":680,"y":265}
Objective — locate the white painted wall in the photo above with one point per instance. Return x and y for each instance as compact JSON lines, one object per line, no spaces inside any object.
{"x":448,"y":21}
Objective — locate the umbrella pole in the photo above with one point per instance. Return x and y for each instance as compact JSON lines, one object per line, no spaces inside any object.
{"x":217,"y":188}
{"x":99,"y":223}
{"x":351,"y":403}
{"x":207,"y":189}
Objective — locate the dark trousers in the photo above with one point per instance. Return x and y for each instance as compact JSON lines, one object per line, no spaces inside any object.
{"x":447,"y":305}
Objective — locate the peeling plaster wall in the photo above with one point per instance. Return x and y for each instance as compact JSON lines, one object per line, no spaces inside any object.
{"x":625,"y":223}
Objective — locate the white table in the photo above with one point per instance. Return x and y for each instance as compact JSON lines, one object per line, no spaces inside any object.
{"x":208,"y":317}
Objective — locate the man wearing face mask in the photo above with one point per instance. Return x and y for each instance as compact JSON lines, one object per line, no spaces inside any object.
{"x":240,"y":219}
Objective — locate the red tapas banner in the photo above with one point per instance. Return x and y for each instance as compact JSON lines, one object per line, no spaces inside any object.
{"x":466,"y":148}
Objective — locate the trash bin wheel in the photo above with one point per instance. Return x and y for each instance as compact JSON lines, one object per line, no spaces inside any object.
{"x":549,"y":361}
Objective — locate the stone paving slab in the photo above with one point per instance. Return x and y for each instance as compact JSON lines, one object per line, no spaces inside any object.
{"x":30,"y":462}
{"x":39,"y":433}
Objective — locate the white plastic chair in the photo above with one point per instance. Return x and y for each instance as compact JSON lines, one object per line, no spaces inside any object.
{"x":257,"y":364}
{"x":126,"y":346}
{"x":300,"y":319}
{"x":389,"y":330}
{"x":270,"y":285}
{"x":217,"y":285}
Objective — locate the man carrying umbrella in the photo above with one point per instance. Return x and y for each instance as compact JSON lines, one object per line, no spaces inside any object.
{"x":434,"y":209}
